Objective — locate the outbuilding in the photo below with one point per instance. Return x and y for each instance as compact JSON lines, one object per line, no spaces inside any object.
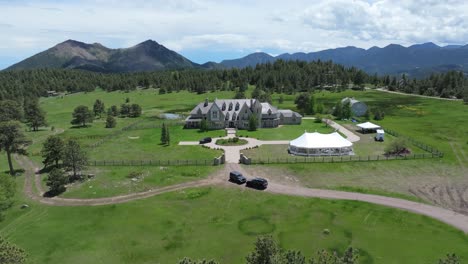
{"x":317,"y":144}
{"x":357,"y":108}
{"x":368,"y":127}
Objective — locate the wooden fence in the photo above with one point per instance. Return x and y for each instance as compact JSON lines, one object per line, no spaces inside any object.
{"x":432,"y":153}
{"x":204,"y":162}
{"x":338,"y":159}
{"x":151,"y":126}
{"x":417,"y":143}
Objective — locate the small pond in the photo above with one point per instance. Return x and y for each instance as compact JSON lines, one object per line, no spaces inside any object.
{"x":171,"y":116}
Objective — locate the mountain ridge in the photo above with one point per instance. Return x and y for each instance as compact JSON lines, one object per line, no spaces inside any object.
{"x":417,"y":60}
{"x":71,"y":54}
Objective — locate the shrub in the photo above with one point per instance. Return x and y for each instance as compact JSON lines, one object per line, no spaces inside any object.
{"x":397,"y":147}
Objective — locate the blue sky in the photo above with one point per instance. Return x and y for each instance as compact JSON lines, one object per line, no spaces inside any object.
{"x":209,"y":30}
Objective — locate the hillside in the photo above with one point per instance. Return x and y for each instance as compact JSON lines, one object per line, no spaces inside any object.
{"x":417,"y":60}
{"x":71,"y":54}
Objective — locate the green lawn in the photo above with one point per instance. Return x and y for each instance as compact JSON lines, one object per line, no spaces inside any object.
{"x":286,"y":132}
{"x":110,"y":181}
{"x":145,"y":145}
{"x":191,"y":223}
{"x":59,"y":109}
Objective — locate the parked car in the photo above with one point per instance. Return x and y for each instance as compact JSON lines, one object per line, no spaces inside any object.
{"x":205,"y":140}
{"x":257,"y":183}
{"x":237,"y":177}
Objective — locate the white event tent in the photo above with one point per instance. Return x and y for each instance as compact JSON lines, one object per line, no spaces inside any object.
{"x":317,"y":144}
{"x":368,"y":127}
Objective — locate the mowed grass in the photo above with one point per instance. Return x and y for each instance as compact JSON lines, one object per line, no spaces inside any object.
{"x":145,"y":145}
{"x":438,"y":123}
{"x":287,"y":132}
{"x":192,"y":223}
{"x":59,"y":109}
{"x":120,"y":180}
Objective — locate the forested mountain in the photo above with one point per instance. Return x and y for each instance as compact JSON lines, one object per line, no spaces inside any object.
{"x":416,"y":61}
{"x":146,"y":56}
{"x":277,"y":77}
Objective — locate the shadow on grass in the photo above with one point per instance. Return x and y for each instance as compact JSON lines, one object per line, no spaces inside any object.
{"x":16,"y":172}
{"x":79,"y":127}
{"x":50,"y":193}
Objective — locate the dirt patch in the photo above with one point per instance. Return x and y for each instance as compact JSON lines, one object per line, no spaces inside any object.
{"x":450,"y":196}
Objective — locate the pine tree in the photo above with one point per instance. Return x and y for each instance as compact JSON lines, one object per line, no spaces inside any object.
{"x":168,"y":136}
{"x":338,"y":110}
{"x":56,"y":182}
{"x":74,"y":157}
{"x":312,"y":105}
{"x":52,"y":150}
{"x":10,"y":253}
{"x":163,"y":134}
{"x":34,"y":115}
{"x":98,"y":108}
{"x":12,"y":140}
{"x":110,"y":122}
{"x":82,"y":115}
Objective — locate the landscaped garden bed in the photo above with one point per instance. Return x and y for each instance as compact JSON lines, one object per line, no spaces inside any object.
{"x":235,"y":141}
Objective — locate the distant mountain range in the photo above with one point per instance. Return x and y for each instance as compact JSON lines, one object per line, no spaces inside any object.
{"x":417,"y":60}
{"x":71,"y":54}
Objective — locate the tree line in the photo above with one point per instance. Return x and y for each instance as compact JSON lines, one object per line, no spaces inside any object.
{"x":272,"y":77}
{"x":267,"y":251}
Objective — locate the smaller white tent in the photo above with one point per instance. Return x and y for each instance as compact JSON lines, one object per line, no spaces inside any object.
{"x":317,"y":144}
{"x":368,"y":126}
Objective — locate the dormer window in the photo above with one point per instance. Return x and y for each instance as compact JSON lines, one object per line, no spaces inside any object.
{"x":269,"y":111}
{"x":230,"y":106}
{"x":237,"y":106}
{"x":224,"y":106}
{"x":234,"y":116}
{"x":227,"y":116}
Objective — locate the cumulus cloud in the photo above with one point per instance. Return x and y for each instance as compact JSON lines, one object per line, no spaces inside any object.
{"x":233,"y":27}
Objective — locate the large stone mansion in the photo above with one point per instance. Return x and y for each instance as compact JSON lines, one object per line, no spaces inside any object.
{"x":235,"y":113}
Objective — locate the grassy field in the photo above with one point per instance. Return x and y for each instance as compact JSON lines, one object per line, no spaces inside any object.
{"x":110,"y":181}
{"x":145,"y":145}
{"x":438,"y":123}
{"x":191,"y":223}
{"x":287,"y":132}
{"x":59,"y":109}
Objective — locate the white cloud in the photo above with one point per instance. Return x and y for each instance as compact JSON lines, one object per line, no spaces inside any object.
{"x":242,"y":26}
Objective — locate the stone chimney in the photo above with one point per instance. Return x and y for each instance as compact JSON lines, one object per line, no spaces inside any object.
{"x":206,"y":102}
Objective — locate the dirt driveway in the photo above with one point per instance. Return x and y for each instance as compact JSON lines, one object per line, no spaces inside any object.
{"x":33,"y":186}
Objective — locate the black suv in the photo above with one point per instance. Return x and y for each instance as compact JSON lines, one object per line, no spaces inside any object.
{"x":205,"y":140}
{"x":257,"y":183}
{"x":237,"y":177}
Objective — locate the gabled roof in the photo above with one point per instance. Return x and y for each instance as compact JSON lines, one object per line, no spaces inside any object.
{"x":266,"y":107}
{"x":288,"y":113}
{"x":351,"y":100}
{"x":318,"y":140}
{"x":204,"y":109}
